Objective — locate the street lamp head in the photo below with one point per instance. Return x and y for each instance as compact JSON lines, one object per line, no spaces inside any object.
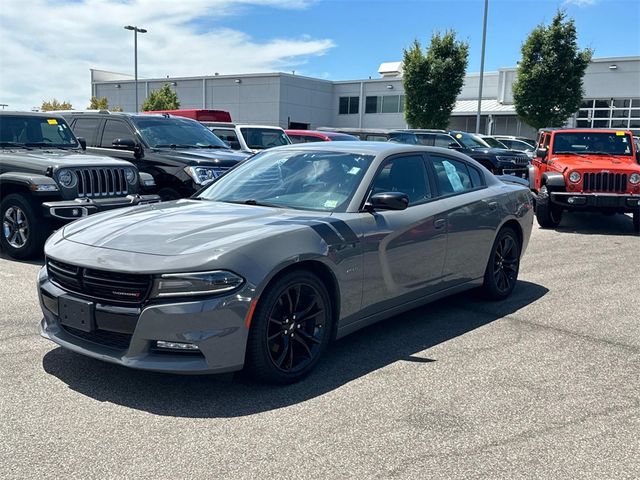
{"x":129,"y":27}
{"x":142,"y":30}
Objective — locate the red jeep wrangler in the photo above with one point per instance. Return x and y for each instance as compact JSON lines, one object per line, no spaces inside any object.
{"x":585,"y":170}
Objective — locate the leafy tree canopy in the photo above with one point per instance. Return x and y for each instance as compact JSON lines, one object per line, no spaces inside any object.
{"x":54,"y":104}
{"x":162,"y":99}
{"x":548,"y":89}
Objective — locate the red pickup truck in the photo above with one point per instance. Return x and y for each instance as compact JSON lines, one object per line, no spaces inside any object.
{"x":585,"y":170}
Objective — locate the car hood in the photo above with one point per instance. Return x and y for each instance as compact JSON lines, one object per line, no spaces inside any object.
{"x":204,"y":156}
{"x":64,"y":158}
{"x":181,"y":227}
{"x":595,"y":162}
{"x":496,"y":151}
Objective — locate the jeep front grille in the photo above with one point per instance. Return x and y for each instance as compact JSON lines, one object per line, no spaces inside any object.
{"x":118,"y":287}
{"x":520,"y":160}
{"x":101,"y":182}
{"x":604,"y":182}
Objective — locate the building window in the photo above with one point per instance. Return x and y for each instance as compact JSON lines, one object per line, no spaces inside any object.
{"x":609,"y":113}
{"x":384,"y":104}
{"x":349,"y":105}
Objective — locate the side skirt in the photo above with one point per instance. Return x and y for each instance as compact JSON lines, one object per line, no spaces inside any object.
{"x":383,"y":315}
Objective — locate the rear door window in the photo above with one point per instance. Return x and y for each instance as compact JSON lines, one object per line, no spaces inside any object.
{"x":452,"y":176}
{"x":87,"y":128}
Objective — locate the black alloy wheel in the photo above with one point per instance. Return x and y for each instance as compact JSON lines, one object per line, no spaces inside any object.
{"x":290,"y":329}
{"x":501,"y":274}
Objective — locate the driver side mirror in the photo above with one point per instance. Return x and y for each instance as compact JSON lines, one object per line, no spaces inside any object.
{"x":82,"y":142}
{"x":124,"y":144}
{"x":388,"y":201}
{"x":541,"y":153}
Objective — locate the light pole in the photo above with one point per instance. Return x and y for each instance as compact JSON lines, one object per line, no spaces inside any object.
{"x":484,"y":41}
{"x":136,"y":30}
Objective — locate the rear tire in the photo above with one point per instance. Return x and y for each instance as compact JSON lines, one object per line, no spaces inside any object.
{"x":24,"y":230}
{"x":501,"y":274}
{"x":290,"y":329}
{"x":547,"y":214}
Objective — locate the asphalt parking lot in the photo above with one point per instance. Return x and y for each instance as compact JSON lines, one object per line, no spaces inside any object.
{"x":545,"y":385}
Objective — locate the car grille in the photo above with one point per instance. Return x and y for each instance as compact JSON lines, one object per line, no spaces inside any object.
{"x":604,"y":182}
{"x":517,"y":159}
{"x":100,"y":284}
{"x":120,"y":341}
{"x":101,"y":182}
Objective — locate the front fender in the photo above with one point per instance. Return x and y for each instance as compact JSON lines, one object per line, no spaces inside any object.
{"x":35,"y":183}
{"x":553,"y":179}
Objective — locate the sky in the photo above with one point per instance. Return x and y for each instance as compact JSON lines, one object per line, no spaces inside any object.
{"x":48,"y":47}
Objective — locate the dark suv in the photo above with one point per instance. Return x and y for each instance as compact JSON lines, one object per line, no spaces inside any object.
{"x":46,"y":180}
{"x":497,"y":160}
{"x":180,"y":154}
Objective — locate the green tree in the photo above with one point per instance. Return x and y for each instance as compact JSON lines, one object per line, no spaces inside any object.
{"x":548,"y":89}
{"x":432,"y":80}
{"x":54,"y":104}
{"x":117,"y":108}
{"x":98,"y":103}
{"x":162,"y":99}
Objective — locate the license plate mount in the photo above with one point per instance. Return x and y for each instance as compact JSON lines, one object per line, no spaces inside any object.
{"x":76,"y":313}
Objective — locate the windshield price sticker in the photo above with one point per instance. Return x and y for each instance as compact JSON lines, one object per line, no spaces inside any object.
{"x":52,"y":121}
{"x":458,"y":135}
{"x":620,"y":134}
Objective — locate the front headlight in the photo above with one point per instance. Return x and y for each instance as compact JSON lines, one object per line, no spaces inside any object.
{"x":198,"y":283}
{"x":634,"y":178}
{"x":66,"y":178}
{"x":201,"y":175}
{"x":130,"y":175}
{"x":574,"y":177}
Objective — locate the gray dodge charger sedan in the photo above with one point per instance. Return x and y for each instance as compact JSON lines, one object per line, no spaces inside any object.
{"x":293,"y":248}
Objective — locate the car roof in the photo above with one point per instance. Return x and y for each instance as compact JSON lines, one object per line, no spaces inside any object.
{"x":586,"y":130}
{"x":30,"y":114}
{"x":317,"y":133}
{"x":360,"y":147}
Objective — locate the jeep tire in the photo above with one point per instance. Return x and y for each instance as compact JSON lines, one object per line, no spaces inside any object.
{"x":547,"y":214}
{"x":24,"y":230}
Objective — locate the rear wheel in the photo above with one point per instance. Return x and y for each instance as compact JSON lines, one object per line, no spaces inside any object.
{"x":290,"y":329}
{"x":547,"y":214}
{"x":23,"y":230}
{"x":501,"y":274}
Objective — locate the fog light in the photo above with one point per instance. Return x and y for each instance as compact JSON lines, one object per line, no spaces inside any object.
{"x":176,"y":345}
{"x":576,"y":200}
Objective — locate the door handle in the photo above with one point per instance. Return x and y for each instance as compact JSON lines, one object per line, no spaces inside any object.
{"x":492,"y":205}
{"x":439,"y":223}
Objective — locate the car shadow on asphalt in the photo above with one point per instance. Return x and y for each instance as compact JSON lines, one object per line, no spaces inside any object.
{"x":590,"y":223}
{"x":39,"y":260}
{"x":401,"y":338}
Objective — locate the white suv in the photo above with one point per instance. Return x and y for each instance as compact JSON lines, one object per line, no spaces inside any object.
{"x":248,"y":138}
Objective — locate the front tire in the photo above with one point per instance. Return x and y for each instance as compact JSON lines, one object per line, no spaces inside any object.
{"x":24,"y":231}
{"x":636,"y":221}
{"x":290,"y":329}
{"x":501,"y":274}
{"x":547,"y":214}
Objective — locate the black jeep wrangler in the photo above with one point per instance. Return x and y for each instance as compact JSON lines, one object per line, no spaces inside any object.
{"x":46,"y":180}
{"x":181,"y":154}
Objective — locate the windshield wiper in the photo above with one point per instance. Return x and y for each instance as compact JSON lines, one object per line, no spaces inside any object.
{"x":252,"y":201}
{"x":581,"y":154}
{"x":14,"y":144}
{"x":174,"y":145}
{"x":213,"y":146}
{"x":47,"y":144}
{"x":601,"y":153}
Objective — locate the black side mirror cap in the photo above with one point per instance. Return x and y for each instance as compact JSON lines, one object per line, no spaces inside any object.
{"x":82,"y":142}
{"x":124,"y":144}
{"x":454,"y":146}
{"x":541,"y":153}
{"x":388,"y":201}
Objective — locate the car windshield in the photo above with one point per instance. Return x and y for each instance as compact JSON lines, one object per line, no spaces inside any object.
{"x":469,"y":140}
{"x":258,"y":138}
{"x":300,"y":179}
{"x":162,"y":132}
{"x":343,"y":137}
{"x":25,"y":130}
{"x":603,"y":143}
{"x":492,"y":142}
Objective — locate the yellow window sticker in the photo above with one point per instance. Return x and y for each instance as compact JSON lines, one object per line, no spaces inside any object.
{"x":458,"y":135}
{"x":52,"y":121}
{"x":331,"y":204}
{"x":620,"y":134}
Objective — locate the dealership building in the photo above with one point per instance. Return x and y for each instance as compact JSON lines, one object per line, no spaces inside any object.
{"x":612,"y":98}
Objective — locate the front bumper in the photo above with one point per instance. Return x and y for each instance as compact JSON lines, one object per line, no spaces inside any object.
{"x":520,"y":171}
{"x":127,"y":335}
{"x":81,"y":207}
{"x":616,"y":202}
